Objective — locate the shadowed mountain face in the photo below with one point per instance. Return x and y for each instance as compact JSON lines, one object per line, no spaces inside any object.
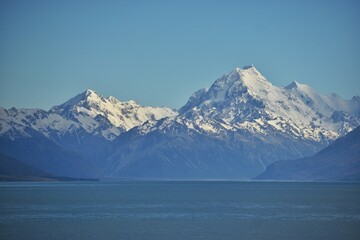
{"x":13,"y":170}
{"x":234,"y":129}
{"x":340,"y":161}
{"x":13,"y":167}
{"x":177,"y":152}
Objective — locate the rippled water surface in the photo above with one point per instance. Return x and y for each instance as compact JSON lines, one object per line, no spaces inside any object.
{"x":179,"y":210}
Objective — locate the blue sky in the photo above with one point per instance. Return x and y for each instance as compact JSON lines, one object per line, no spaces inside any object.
{"x":160,"y":52}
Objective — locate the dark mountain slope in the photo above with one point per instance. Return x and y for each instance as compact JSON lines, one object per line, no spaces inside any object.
{"x":14,"y":170}
{"x":45,"y":155}
{"x":340,"y":161}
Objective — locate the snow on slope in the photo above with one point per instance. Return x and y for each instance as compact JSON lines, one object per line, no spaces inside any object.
{"x":17,"y":122}
{"x":245,"y":100}
{"x":107,"y":117}
{"x":240,"y":100}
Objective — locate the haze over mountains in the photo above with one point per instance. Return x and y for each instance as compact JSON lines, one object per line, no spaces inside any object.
{"x":14,"y":170}
{"x":232,"y":130}
{"x":340,"y":161}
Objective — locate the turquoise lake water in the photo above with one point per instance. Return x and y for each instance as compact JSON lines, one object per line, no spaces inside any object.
{"x":179,"y":210}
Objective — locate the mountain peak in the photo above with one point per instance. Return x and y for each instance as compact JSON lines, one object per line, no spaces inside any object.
{"x":84,"y":97}
{"x":113,"y":99}
{"x":230,"y":87}
{"x":252,"y":78}
{"x":90,"y":96}
{"x":241,"y":74}
{"x":89,"y":92}
{"x":299,"y":86}
{"x":248,"y":67}
{"x":132,"y":102}
{"x":293,"y":84}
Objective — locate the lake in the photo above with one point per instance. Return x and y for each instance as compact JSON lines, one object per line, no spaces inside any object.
{"x":168,"y":210}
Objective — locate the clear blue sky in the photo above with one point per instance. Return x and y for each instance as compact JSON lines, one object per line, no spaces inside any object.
{"x":160,"y":52}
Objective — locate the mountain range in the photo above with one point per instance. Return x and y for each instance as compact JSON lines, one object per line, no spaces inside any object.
{"x":233,"y":130}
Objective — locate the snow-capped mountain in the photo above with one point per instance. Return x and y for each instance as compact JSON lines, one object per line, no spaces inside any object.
{"x":78,"y":130}
{"x":88,"y":111}
{"x":251,"y":122}
{"x":18,"y":123}
{"x":108,"y":117}
{"x":244,"y":99}
{"x":233,"y":129}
